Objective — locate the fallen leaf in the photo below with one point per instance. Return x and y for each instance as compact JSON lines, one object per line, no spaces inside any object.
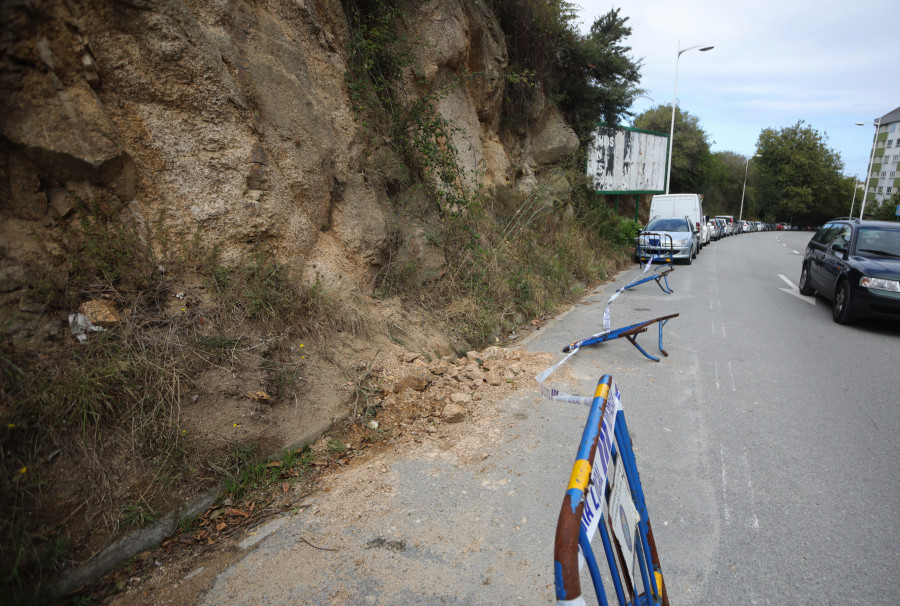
{"x":274,"y":464}
{"x":284,"y":487}
{"x":220,"y":526}
{"x":237,"y":512}
{"x":258,"y":395}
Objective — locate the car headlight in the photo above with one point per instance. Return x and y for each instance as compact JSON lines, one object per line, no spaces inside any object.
{"x":879,"y":284}
{"x":681,"y":242}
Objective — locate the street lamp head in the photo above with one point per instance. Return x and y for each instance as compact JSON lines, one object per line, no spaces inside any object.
{"x":862,"y":123}
{"x":706,"y":48}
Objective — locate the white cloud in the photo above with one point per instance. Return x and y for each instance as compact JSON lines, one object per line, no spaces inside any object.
{"x":830,"y":63}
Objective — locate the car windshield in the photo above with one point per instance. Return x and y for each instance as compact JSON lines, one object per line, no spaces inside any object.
{"x":668,"y":224}
{"x":878,"y":241}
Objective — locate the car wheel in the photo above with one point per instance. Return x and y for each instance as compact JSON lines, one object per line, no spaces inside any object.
{"x":840,"y":309}
{"x":805,"y":288}
{"x":694,"y":254}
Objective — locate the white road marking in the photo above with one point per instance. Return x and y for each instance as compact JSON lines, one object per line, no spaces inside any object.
{"x":754,"y":521}
{"x":794,"y":291}
{"x":731,"y":374}
{"x":716,"y":366}
{"x":795,"y":252}
{"x":723,"y":331}
{"x":726,"y":511}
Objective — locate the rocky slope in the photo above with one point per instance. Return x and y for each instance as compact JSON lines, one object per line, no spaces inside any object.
{"x":233,"y":120}
{"x":230,"y":125}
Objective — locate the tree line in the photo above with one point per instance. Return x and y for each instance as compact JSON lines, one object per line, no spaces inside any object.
{"x":794,"y":176}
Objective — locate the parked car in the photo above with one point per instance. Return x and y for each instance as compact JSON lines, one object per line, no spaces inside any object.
{"x":855,"y":264}
{"x":724,"y":227}
{"x":714,"y":230}
{"x":730,"y":223}
{"x":745,"y":226}
{"x":668,"y":235}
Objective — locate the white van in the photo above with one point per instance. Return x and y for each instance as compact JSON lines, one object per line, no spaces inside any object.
{"x":682,"y":205}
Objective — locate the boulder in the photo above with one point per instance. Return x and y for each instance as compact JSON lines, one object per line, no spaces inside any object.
{"x":101,"y":312}
{"x":453,"y":413}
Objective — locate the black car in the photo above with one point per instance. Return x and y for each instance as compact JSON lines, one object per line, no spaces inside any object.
{"x":856,"y":264}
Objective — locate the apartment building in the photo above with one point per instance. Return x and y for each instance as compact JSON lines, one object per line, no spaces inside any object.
{"x":884,"y":176}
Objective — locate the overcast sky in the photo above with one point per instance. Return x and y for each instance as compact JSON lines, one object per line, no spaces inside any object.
{"x":830,"y":63}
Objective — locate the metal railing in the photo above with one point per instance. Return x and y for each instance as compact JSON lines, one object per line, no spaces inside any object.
{"x":603,"y":477}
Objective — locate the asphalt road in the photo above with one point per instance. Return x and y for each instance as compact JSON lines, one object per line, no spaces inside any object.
{"x":766,"y":443}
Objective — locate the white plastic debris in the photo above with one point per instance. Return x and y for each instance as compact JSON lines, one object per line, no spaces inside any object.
{"x":80,"y":325}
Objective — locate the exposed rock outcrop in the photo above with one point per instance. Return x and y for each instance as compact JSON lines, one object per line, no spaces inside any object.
{"x":234,"y":121}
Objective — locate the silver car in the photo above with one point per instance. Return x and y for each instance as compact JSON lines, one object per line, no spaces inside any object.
{"x":667,"y":237}
{"x":724,"y":227}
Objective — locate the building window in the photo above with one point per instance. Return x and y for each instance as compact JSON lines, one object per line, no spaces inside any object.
{"x":890,"y":143}
{"x":893,"y":126}
{"x":888,"y":190}
{"x":892,"y":174}
{"x":879,"y":189}
{"x":883,"y":175}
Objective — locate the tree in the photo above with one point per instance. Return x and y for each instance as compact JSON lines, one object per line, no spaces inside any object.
{"x":605,"y":86}
{"x":722,"y":183}
{"x":798,"y":177}
{"x":690,"y":145}
{"x":591,"y":77}
{"x":886,"y":211}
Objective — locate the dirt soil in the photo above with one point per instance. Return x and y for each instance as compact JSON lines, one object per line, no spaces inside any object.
{"x":446,"y":403}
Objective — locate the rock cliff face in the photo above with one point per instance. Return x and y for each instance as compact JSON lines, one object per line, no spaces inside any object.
{"x":232,"y":121}
{"x":224,"y":123}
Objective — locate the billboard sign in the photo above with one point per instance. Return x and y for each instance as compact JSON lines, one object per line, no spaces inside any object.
{"x":625,"y":160}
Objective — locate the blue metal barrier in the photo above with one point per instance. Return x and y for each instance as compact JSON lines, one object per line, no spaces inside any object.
{"x":629,"y":332}
{"x":661,"y":273}
{"x":606,"y":449}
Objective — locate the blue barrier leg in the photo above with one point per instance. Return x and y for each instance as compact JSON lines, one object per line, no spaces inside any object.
{"x":633,"y":340}
{"x":637,"y":493}
{"x":591,"y":560}
{"x":665,"y":288}
{"x":661,"y":324}
{"x":642,"y":560}
{"x":610,"y":558}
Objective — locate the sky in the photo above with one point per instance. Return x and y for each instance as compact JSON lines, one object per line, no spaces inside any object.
{"x":829,"y":63}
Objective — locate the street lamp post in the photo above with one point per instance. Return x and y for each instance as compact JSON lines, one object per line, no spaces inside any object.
{"x":743,"y":191}
{"x":675,"y":102}
{"x":855,"y":187}
{"x":876,"y":124}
